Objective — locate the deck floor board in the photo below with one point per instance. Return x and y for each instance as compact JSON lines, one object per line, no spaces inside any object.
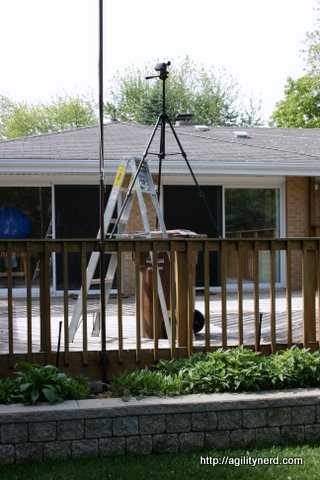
{"x":129,"y":319}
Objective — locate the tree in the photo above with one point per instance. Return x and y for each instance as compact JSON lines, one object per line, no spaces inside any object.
{"x":250,"y":115}
{"x":312,"y":49}
{"x":6,"y":106}
{"x":210,"y":96}
{"x":301,"y":104}
{"x":20,"y":119}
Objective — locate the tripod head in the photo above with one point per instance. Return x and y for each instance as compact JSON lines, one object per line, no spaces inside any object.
{"x":162,"y":68}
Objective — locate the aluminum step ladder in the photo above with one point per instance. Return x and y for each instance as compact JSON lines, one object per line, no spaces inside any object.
{"x":36,"y":273}
{"x":143,"y":185}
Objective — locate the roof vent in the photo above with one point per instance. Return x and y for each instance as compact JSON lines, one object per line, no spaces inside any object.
{"x":111,"y":120}
{"x":183,"y":119}
{"x":202,"y":128}
{"x":241,"y":134}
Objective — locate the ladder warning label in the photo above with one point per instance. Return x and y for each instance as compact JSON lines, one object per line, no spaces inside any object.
{"x":119,"y":176}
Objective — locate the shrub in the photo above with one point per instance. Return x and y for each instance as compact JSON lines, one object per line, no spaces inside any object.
{"x":7,"y":388}
{"x":36,"y":383}
{"x":235,"y":370}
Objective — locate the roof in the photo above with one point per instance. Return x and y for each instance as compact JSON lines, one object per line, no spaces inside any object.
{"x":268,"y":151}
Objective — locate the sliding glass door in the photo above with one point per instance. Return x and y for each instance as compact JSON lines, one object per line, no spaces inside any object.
{"x":252,"y":213}
{"x":24,"y":212}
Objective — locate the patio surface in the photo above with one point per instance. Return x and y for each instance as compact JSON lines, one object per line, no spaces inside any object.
{"x":129,"y":338}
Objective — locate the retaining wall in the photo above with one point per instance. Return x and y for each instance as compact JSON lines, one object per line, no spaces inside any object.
{"x":141,"y":427}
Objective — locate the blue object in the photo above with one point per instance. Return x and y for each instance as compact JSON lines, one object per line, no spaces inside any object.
{"x":14,"y":223}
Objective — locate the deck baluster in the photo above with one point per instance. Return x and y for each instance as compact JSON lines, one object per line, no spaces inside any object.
{"x":65,"y":302}
{"x":206,"y":268}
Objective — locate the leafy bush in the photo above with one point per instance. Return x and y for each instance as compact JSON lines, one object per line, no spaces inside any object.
{"x":235,"y":370}
{"x":36,"y":383}
{"x":7,"y":388}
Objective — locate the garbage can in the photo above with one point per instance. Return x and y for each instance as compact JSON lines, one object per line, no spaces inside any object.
{"x":184,"y":267}
{"x":146,"y":294}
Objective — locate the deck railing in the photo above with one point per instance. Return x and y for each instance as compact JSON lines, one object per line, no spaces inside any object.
{"x":233,"y":311}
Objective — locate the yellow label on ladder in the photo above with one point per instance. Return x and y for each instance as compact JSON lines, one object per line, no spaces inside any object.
{"x":119,"y":176}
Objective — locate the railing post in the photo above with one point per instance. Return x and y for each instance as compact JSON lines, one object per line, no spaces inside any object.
{"x":65,"y":303}
{"x":206,"y":268}
{"x":155,"y":301}
{"x":10,"y":306}
{"x":273,"y":331}
{"x":309,"y":296}
{"x":289,"y":292}
{"x":181,"y":296}
{"x":240,"y":261}
{"x":190,"y":295}
{"x":173,"y":299}
{"x":139,"y":299}
{"x":45,"y":327}
{"x":28,"y":299}
{"x":83,"y":261}
{"x":256,"y":298}
{"x":223,"y":277}
{"x":119,"y":302}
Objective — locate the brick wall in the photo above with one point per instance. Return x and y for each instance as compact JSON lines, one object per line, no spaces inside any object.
{"x":298,"y":218}
{"x":141,"y":427}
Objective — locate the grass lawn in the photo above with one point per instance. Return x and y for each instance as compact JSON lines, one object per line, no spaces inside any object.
{"x":169,"y":467}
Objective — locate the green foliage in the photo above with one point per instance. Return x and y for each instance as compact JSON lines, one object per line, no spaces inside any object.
{"x":300,"y":107}
{"x":250,"y":115}
{"x":312,"y":44}
{"x":21,"y":119}
{"x":235,"y":370}
{"x":6,"y":107}
{"x":209,"y":95}
{"x":7,"y":390}
{"x":35,"y":383}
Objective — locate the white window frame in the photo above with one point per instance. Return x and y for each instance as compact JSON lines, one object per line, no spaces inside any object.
{"x":254,"y":182}
{"x":282,"y":220}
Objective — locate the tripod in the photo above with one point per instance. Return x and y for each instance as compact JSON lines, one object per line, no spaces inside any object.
{"x":162,"y":120}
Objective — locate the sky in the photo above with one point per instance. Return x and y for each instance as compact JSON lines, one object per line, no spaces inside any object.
{"x":50,"y":47}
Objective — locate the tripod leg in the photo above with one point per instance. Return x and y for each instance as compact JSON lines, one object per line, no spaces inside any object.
{"x":200,"y":191}
{"x":160,"y":119}
{"x":134,"y":179}
{"x":162,"y":153}
{"x":159,"y":178}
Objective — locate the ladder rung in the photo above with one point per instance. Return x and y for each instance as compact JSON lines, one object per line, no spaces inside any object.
{"x":96,"y":281}
{"x":121,"y":221}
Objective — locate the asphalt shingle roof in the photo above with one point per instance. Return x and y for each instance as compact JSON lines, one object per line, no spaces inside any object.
{"x":217,"y":150}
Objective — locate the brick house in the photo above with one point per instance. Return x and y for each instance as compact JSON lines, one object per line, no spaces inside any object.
{"x":259,"y":183}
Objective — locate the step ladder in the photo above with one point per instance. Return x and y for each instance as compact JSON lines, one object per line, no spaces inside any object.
{"x":36,"y":273}
{"x":143,"y":185}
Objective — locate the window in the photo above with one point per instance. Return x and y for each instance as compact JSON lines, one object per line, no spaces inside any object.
{"x":30,"y":206}
{"x":252,"y":213}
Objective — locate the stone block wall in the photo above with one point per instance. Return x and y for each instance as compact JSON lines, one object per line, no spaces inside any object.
{"x":113,"y":427}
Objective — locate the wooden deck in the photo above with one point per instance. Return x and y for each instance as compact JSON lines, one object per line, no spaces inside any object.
{"x":129,"y":322}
